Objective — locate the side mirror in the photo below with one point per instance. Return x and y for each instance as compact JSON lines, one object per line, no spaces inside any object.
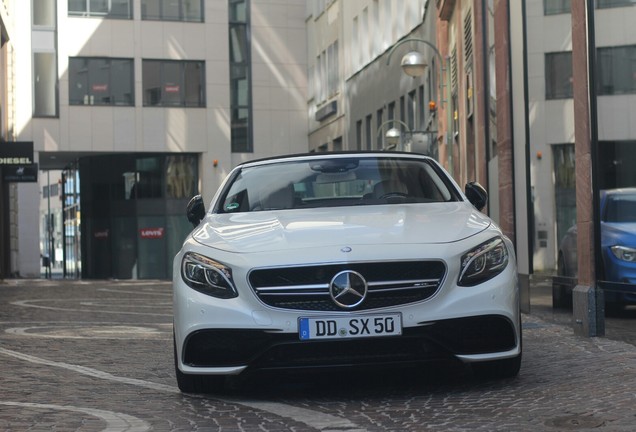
{"x":477,"y":195}
{"x":195,"y":210}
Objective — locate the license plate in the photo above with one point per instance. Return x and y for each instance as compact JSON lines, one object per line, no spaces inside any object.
{"x":359,"y":326}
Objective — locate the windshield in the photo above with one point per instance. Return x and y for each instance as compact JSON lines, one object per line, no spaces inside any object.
{"x":620,"y":208}
{"x":333,"y":182}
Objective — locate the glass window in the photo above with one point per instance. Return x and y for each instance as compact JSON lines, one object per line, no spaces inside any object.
{"x":614,"y":3}
{"x":558,"y":75}
{"x":617,"y":70}
{"x":368,"y":134}
{"x":174,"y":83}
{"x":120,"y":9}
{"x":240,"y":70}
{"x":44,"y":13}
{"x":44,"y":85}
{"x":410,"y":110}
{"x":172,"y":10}
{"x":181,"y":176}
{"x":379,"y":121}
{"x":345,"y":181}
{"x":101,"y":81}
{"x":553,"y":7}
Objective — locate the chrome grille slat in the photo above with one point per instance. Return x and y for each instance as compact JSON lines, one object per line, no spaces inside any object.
{"x":292,"y":288}
{"x":391,"y":283}
{"x":401,"y":289}
{"x":326,"y":294}
{"x":402,"y":282}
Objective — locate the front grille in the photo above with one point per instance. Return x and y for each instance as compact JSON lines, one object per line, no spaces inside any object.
{"x":307,"y":287}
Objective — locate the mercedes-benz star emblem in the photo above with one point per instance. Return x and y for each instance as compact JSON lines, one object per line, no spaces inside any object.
{"x":348,"y":289}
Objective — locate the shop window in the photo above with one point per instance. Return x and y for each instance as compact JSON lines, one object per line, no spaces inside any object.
{"x":564,"y":188}
{"x":558,"y":75}
{"x":171,"y":83}
{"x":617,"y":70}
{"x":101,"y":81}
{"x":172,"y":10}
{"x":119,"y":9}
{"x":180,"y":176}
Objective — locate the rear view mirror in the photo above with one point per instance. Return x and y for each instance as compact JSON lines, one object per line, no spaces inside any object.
{"x":195,"y":211}
{"x":477,"y":195}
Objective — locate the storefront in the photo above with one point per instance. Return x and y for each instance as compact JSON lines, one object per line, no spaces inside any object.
{"x":124,"y":215}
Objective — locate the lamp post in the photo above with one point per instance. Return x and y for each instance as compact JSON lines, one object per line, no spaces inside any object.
{"x":393,"y":136}
{"x":414,"y":64}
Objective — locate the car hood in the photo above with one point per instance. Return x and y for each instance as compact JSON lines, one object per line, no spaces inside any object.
{"x":619,"y":233}
{"x":362,"y":225}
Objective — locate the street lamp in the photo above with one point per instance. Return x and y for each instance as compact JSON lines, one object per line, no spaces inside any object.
{"x":414,"y":64}
{"x":393,"y":136}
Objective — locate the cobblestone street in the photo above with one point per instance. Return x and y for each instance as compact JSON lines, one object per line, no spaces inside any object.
{"x":97,"y":356}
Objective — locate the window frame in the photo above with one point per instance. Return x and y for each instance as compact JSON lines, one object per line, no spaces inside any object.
{"x":182,"y":84}
{"x":90,"y":82}
{"x":87,"y":13}
{"x":564,"y":7}
{"x":183,"y":17}
{"x":551,"y":91}
{"x":615,"y":69}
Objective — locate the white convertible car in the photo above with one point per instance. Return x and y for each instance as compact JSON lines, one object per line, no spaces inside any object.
{"x":339,"y":260}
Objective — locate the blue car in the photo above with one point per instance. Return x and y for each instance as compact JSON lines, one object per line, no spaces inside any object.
{"x":618,"y":251}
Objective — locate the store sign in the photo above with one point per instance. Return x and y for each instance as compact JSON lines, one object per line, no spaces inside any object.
{"x":101,"y":234}
{"x":100,"y":87}
{"x":151,"y":233}
{"x":19,"y":173}
{"x":172,"y":88}
{"x":16,"y":153}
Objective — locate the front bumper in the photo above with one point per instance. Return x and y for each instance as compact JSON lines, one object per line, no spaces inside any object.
{"x":231,"y":349}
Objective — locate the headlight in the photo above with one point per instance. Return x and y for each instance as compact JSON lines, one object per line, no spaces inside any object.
{"x":207,"y":276}
{"x":624,"y":253}
{"x":483,"y":262}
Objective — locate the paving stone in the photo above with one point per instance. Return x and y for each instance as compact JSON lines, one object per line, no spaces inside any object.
{"x":97,"y":355}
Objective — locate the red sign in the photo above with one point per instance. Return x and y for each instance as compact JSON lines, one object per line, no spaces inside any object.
{"x":101,"y":234}
{"x":151,"y":233}
{"x":172,"y":88}
{"x":100,"y":87}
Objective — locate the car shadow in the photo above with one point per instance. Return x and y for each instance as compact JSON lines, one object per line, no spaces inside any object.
{"x":376,"y":383}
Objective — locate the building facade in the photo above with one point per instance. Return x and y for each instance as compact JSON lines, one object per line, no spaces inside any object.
{"x":457,"y":109}
{"x":354,"y":96}
{"x":7,"y":131}
{"x":135,"y":106}
{"x":551,"y":108}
